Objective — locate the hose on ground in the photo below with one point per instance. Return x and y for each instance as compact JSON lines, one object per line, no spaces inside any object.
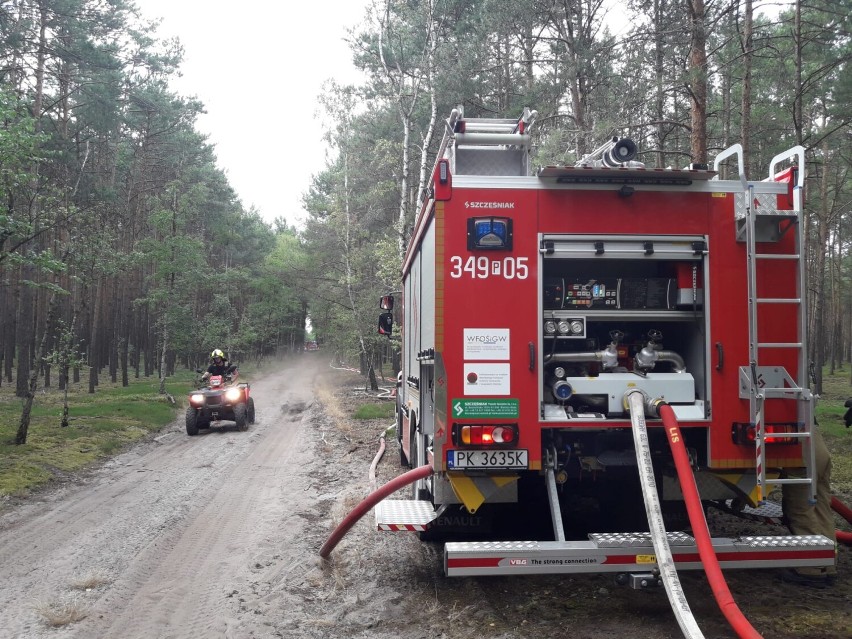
{"x":844,"y":511}
{"x":371,"y":500}
{"x":376,"y":460}
{"x":841,"y":509}
{"x":721,"y":592}
{"x":379,"y":455}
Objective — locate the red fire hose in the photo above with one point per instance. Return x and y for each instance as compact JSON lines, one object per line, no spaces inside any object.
{"x":371,"y":500}
{"x":844,"y":511}
{"x":721,"y":592}
{"x":376,"y":460}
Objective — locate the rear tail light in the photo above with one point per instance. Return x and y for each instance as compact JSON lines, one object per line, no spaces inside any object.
{"x":498,"y":435}
{"x":746,"y":433}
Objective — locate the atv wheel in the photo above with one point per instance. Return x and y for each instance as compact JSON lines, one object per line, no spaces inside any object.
{"x":250,"y":410}
{"x":240,"y":417}
{"x":191,"y":421}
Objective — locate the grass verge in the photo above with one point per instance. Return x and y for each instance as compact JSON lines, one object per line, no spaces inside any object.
{"x":375,"y":411}
{"x":836,"y":390}
{"x":100,"y":425}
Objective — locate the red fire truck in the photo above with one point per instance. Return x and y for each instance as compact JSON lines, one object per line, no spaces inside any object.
{"x":547,"y":314}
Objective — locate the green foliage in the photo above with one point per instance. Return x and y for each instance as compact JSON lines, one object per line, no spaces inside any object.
{"x":111,"y":194}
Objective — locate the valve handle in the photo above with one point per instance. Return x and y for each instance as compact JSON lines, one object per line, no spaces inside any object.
{"x":655,"y":335}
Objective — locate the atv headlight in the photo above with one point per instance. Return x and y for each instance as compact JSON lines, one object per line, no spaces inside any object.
{"x":197,"y":398}
{"x":233,"y":394}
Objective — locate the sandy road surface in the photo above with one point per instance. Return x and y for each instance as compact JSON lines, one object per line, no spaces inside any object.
{"x":217,"y":536}
{"x":171,"y":534}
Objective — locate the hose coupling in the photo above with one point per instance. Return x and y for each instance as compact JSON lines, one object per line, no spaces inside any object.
{"x":651,"y":404}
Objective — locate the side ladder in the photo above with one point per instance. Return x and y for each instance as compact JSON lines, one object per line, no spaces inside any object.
{"x":760,"y":221}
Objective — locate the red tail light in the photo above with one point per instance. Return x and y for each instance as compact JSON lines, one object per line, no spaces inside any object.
{"x":746,"y":433}
{"x":485,"y":434}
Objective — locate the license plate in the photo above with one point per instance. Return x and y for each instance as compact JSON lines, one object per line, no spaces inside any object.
{"x":487,"y":459}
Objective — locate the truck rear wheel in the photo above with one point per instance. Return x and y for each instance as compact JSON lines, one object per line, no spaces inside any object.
{"x":191,"y":421}
{"x":403,"y":460}
{"x":240,"y":417}
{"x":421,"y":489}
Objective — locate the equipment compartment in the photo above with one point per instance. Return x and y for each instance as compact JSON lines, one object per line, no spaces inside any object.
{"x":618,"y":313}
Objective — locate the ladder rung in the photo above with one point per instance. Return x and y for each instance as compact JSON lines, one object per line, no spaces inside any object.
{"x":777,"y":256}
{"x":779,"y":345}
{"x":791,"y":390}
{"x":783,"y":394}
{"x":790,"y":480}
{"x":779,"y":300}
{"x":785,"y":435}
{"x":472,"y":126}
{"x":800,"y":435}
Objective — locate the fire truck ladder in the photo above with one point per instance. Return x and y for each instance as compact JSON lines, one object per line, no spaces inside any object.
{"x":759,"y":220}
{"x":488,"y":146}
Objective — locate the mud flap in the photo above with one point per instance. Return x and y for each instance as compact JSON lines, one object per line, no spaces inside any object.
{"x":474,"y":491}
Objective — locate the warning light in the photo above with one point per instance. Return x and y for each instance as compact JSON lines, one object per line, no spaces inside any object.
{"x":489,"y":233}
{"x":442,"y":181}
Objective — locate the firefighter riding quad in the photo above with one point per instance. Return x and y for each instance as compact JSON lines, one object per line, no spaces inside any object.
{"x":219,"y":401}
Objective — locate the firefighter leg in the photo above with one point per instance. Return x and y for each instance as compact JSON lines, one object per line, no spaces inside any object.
{"x":804,"y":518}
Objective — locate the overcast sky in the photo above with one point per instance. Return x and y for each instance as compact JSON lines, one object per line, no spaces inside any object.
{"x":258,"y":67}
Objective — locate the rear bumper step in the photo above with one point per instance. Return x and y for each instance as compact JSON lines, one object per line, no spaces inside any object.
{"x":629,"y":552}
{"x":603,"y":552}
{"x":404,"y":515}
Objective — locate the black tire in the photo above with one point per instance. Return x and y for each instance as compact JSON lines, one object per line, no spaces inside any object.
{"x":250,"y":410}
{"x":191,"y":421}
{"x":411,"y":460}
{"x":403,"y":461}
{"x":240,"y":417}
{"x":417,"y":490}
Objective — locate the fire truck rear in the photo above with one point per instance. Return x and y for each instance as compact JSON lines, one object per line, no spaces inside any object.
{"x":548,"y":319}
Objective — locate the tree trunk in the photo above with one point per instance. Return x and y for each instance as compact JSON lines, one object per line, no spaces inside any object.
{"x":94,"y":343}
{"x":25,"y":325}
{"x":68,"y":344}
{"x":24,"y":424}
{"x":9,"y":317}
{"x":433,"y":111}
{"x":26,"y":332}
{"x":163,"y":355}
{"x":798,"y":97}
{"x":818,"y":282}
{"x":698,"y":82}
{"x":745,"y":130}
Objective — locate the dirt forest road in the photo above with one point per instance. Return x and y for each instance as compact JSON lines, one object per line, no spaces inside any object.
{"x":218,"y":536}
{"x":170,"y":539}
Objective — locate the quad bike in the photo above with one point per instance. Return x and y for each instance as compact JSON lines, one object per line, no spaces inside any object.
{"x":218,"y":401}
